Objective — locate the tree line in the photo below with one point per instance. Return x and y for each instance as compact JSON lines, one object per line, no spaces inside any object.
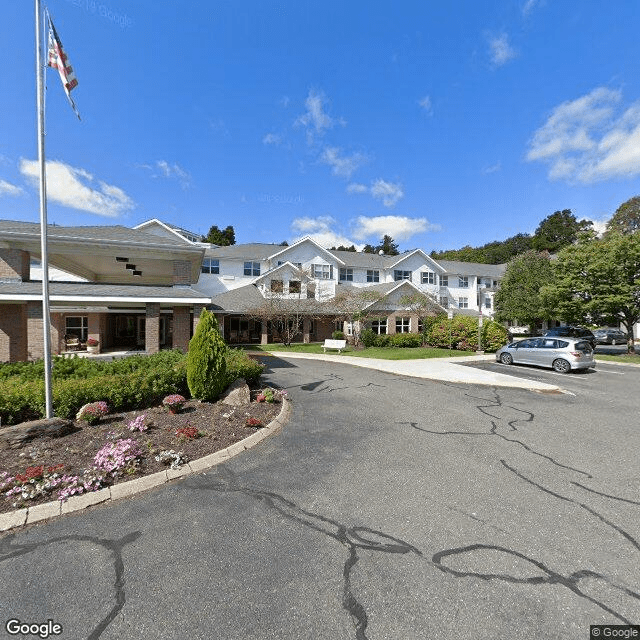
{"x":593,"y":280}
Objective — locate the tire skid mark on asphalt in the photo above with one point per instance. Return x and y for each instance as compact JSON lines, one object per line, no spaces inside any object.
{"x":9,"y":550}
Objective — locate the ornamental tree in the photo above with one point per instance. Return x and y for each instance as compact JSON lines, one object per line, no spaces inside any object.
{"x":206,"y":361}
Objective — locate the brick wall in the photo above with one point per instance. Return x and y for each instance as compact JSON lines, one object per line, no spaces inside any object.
{"x":13,"y":332}
{"x":152,"y":328}
{"x":35,"y":337}
{"x":14,"y":264}
{"x":181,"y":328}
{"x":181,"y":272}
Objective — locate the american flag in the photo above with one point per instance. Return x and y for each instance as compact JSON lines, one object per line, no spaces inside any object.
{"x":58,"y":60}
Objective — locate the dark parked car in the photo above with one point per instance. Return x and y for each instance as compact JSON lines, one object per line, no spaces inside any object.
{"x":610,"y":336}
{"x":562,"y":355}
{"x":572,"y":332}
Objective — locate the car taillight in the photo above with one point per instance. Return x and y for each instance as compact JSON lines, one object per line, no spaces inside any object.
{"x":576,"y":354}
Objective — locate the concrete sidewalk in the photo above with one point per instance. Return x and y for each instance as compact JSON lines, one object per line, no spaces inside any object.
{"x":446,"y":369}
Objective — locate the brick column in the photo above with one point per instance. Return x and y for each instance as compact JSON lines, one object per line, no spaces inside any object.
{"x":181,"y":328}
{"x":14,"y":265}
{"x":413,"y":323}
{"x":391,"y":324}
{"x":93,"y":329}
{"x":197,"y":310}
{"x":152,"y":327}
{"x":35,"y":333}
{"x":13,"y":332}
{"x":181,"y":272}
{"x":264,"y":336}
{"x":306,"y":325}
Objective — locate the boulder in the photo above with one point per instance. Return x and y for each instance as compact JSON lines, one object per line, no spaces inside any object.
{"x":237,"y":394}
{"x":18,"y":435}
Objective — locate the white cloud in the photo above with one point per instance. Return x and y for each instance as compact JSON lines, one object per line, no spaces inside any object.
{"x":398,"y":227}
{"x":590,"y":139}
{"x":494,"y":168}
{"x":500,"y":50}
{"x":73,"y":187}
{"x":425,"y":103}
{"x":272,"y":138}
{"x":380,"y":189}
{"x":388,"y":192}
{"x":530,"y":5}
{"x":321,"y":229}
{"x":164,"y":169}
{"x":599,"y":225}
{"x":315,"y":119}
{"x":8,"y":189}
{"x":342,"y":165}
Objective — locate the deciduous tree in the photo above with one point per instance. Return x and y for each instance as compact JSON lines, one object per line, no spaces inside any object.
{"x":519,"y":295}
{"x":627,"y":218}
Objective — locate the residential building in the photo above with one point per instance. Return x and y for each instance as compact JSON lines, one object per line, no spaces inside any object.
{"x":143,"y":288}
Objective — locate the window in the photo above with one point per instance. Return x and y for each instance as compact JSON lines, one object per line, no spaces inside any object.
{"x":251,"y":268}
{"x":401,"y":275}
{"x":444,"y":301}
{"x":463,"y":303}
{"x":463,"y":282}
{"x":427,"y":277}
{"x":78,"y":326}
{"x":373,"y":275}
{"x":295,"y":286}
{"x":322,"y":271}
{"x":444,"y":281}
{"x":346,"y":274}
{"x":487,"y":303}
{"x":403,"y":325}
{"x":277,"y":286}
{"x":209,"y":265}
{"x":349,"y":328}
{"x":379,"y":326}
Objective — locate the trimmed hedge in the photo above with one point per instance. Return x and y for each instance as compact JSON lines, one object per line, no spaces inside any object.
{"x":135,"y":382}
{"x":407,"y":340}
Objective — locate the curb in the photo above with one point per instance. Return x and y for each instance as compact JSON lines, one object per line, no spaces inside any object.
{"x":47,"y":510}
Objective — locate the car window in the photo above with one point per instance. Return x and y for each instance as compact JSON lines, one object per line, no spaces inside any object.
{"x":548,"y":343}
{"x":583,"y":346}
{"x":563,"y":344}
{"x":527,"y":344}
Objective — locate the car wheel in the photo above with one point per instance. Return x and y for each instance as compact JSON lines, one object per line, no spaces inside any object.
{"x":506,"y":358}
{"x":561,"y":366}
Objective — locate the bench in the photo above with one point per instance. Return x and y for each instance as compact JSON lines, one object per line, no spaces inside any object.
{"x":334,"y":344}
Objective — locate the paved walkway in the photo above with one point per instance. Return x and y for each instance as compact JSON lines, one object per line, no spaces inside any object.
{"x":447,"y":369}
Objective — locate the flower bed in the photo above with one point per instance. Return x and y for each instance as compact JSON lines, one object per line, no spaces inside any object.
{"x":120,"y":447}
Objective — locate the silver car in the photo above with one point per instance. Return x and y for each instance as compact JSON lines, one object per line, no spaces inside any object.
{"x":561,"y":354}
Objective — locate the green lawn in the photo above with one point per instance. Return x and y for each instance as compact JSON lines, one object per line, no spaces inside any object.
{"x":383,"y":353}
{"x":632,"y":358}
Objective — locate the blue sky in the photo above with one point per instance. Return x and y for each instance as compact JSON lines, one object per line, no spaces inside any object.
{"x":440,"y":123}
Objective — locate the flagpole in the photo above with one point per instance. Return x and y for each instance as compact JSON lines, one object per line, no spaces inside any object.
{"x":46,"y":320}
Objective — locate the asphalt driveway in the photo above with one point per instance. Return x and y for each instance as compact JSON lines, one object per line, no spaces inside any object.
{"x":388,"y":508}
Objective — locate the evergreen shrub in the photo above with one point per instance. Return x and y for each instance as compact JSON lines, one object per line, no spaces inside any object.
{"x":206,"y":361}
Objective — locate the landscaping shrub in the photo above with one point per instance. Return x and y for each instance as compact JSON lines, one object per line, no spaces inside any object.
{"x":206,"y":361}
{"x":383,"y":340}
{"x":406,"y":340}
{"x":338,"y":335}
{"x":461,"y":332}
{"x":494,"y":335}
{"x":368,"y":337}
{"x":21,"y":401}
{"x":240,"y":365}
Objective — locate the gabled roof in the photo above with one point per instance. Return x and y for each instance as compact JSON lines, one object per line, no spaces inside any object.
{"x":475,"y":268}
{"x":306,"y":240}
{"x":178,"y":232}
{"x":249,"y":251}
{"x":280,"y":267}
{"x":428,"y":259}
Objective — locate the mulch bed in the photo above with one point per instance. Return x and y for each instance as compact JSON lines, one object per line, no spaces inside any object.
{"x":219,"y":426}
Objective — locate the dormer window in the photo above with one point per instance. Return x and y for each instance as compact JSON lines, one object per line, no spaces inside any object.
{"x":398,"y":275}
{"x":209,"y":265}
